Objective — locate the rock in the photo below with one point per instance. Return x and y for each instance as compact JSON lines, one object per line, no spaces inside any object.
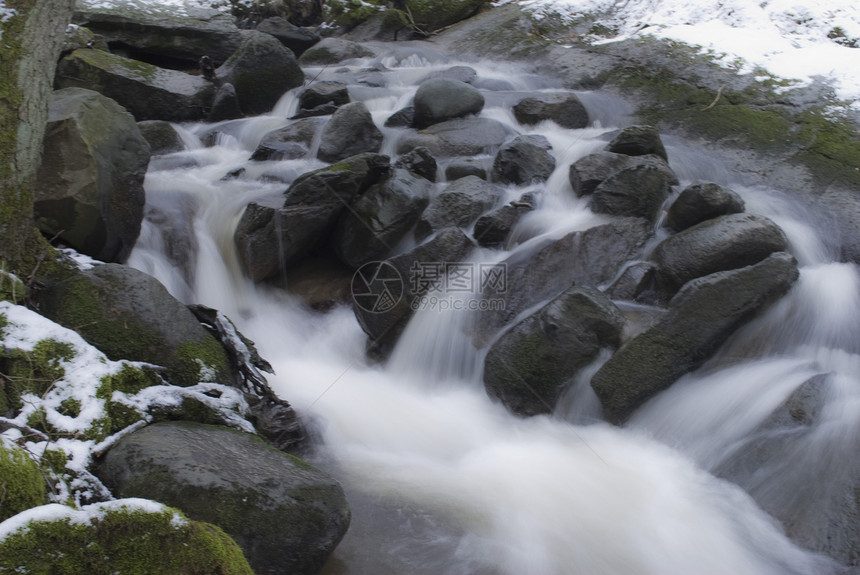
{"x":79,"y":37}
{"x":530,"y":365}
{"x":128,"y":314}
{"x":321,"y":110}
{"x":333,"y":51}
{"x":161,"y":136}
{"x":441,"y":99}
{"x":89,"y":189}
{"x":294,"y":37}
{"x":320,"y":93}
{"x":146,"y":91}
{"x":587,"y":258}
{"x":564,"y":109}
{"x":350,"y":131}
{"x":638,"y":141}
{"x":401,"y":118}
{"x":432,"y":15}
{"x":173,"y":214}
{"x":635,"y":280}
{"x":493,"y":229}
{"x":723,"y":243}
{"x":466,"y":167}
{"x":380,"y":218}
{"x":700,"y":202}
{"x":23,"y":484}
{"x":420,"y":162}
{"x":161,"y":30}
{"x":459,"y":204}
{"x":524,"y":160}
{"x":701,"y":317}
{"x":290,"y":142}
{"x":286,"y":515}
{"x":225,"y":105}
{"x":589,"y":172}
{"x":270,"y":239}
{"x":637,"y":191}
{"x":262,"y":71}
{"x":465,"y":74}
{"x":841,"y":209}
{"x":122,"y":536}
{"x":460,"y":137}
{"x":384,"y":318}
{"x":322,"y":282}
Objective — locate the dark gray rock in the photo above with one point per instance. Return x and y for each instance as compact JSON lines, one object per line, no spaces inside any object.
{"x":290,"y":142}
{"x":332,"y":51}
{"x":225,"y":105}
{"x":432,"y":15}
{"x":635,"y":191}
{"x":700,"y":319}
{"x":161,"y":136}
{"x":441,"y":99}
{"x":460,"y":137}
{"x":320,"y":93}
{"x":493,"y":229}
{"x":723,"y":243}
{"x":635,"y":280}
{"x":286,"y":515}
{"x":350,"y":131}
{"x":566,"y":110}
{"x":321,"y":110}
{"x":262,"y":71}
{"x":843,"y":219}
{"x":146,"y":91}
{"x":78,"y":37}
{"x":128,"y":314}
{"x":465,"y":74}
{"x":700,"y":202}
{"x":89,"y":188}
{"x":638,"y":141}
{"x":401,"y":118}
{"x":459,"y":204}
{"x":466,"y":167}
{"x":419,"y":161}
{"x":525,"y":160}
{"x":531,"y":365}
{"x":589,"y":172}
{"x":588,"y":258}
{"x":380,"y":218}
{"x":294,"y":37}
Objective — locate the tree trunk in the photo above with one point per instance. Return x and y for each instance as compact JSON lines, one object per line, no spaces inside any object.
{"x":31,"y":36}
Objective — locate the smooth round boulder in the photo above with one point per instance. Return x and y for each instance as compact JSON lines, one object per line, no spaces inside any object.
{"x":566,"y":110}
{"x":637,"y":191}
{"x":638,"y":141}
{"x":700,"y":202}
{"x":524,"y":160}
{"x":350,"y":131}
{"x":440,"y":99}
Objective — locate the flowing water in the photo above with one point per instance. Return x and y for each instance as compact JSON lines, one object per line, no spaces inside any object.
{"x":442,"y":480}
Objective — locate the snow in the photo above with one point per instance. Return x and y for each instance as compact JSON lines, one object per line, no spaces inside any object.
{"x":800,"y":40}
{"x":5,"y":14}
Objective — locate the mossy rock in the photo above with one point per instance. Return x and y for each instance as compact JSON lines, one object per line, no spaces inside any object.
{"x":12,"y":288}
{"x":21,"y":483}
{"x":431,"y":15}
{"x":33,"y":371}
{"x":139,"y":539}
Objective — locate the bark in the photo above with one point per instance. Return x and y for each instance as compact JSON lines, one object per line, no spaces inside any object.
{"x":30,"y":43}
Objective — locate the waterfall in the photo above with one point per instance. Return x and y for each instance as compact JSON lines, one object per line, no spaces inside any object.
{"x":441,"y":479}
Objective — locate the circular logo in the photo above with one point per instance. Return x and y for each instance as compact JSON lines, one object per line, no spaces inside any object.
{"x":377,"y":287}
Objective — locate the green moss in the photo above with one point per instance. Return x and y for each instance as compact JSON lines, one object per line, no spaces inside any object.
{"x":132,"y":379}
{"x":54,"y":461}
{"x":21,"y":483}
{"x":130,"y":542}
{"x":34,"y":371}
{"x":349,"y":13}
{"x":199,"y":361}
{"x":117,"y":64}
{"x":70,"y":407}
{"x":11,"y":288}
{"x":122,"y":416}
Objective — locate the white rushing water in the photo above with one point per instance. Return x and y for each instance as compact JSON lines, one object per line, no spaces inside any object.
{"x":444,"y":481}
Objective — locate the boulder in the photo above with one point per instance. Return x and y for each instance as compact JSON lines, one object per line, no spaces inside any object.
{"x":531,"y":365}
{"x":700,"y":202}
{"x":637,"y":191}
{"x":524,"y":160}
{"x":294,"y":37}
{"x":634,"y":281}
{"x":269,"y":239}
{"x":322,"y":110}
{"x":589,"y":172}
{"x":80,"y":37}
{"x":225,"y":105}
{"x":320,"y":93}
{"x":566,"y":110}
{"x":466,"y":167}
{"x":441,"y":99}
{"x":380,"y":218}
{"x":128,"y":314}
{"x":288,"y":143}
{"x":333,"y":51}
{"x":460,"y":137}
{"x":420,"y":162}
{"x":350,"y":131}
{"x":122,"y":536}
{"x":285,"y":515}
{"x":493,"y":229}
{"x":459,"y":204}
{"x":166,"y":31}
{"x":701,"y":317}
{"x":146,"y":91}
{"x":401,"y":118}
{"x":465,"y":74}
{"x":262,"y":71}
{"x":843,"y":219}
{"x":432,"y":15}
{"x":89,"y":189}
{"x":588,"y":258}
{"x":23,"y":483}
{"x":161,"y":136}
{"x":638,"y":141}
{"x":723,"y":243}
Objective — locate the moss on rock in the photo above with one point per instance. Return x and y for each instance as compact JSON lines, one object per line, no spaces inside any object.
{"x":33,"y":371}
{"x":21,"y":483}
